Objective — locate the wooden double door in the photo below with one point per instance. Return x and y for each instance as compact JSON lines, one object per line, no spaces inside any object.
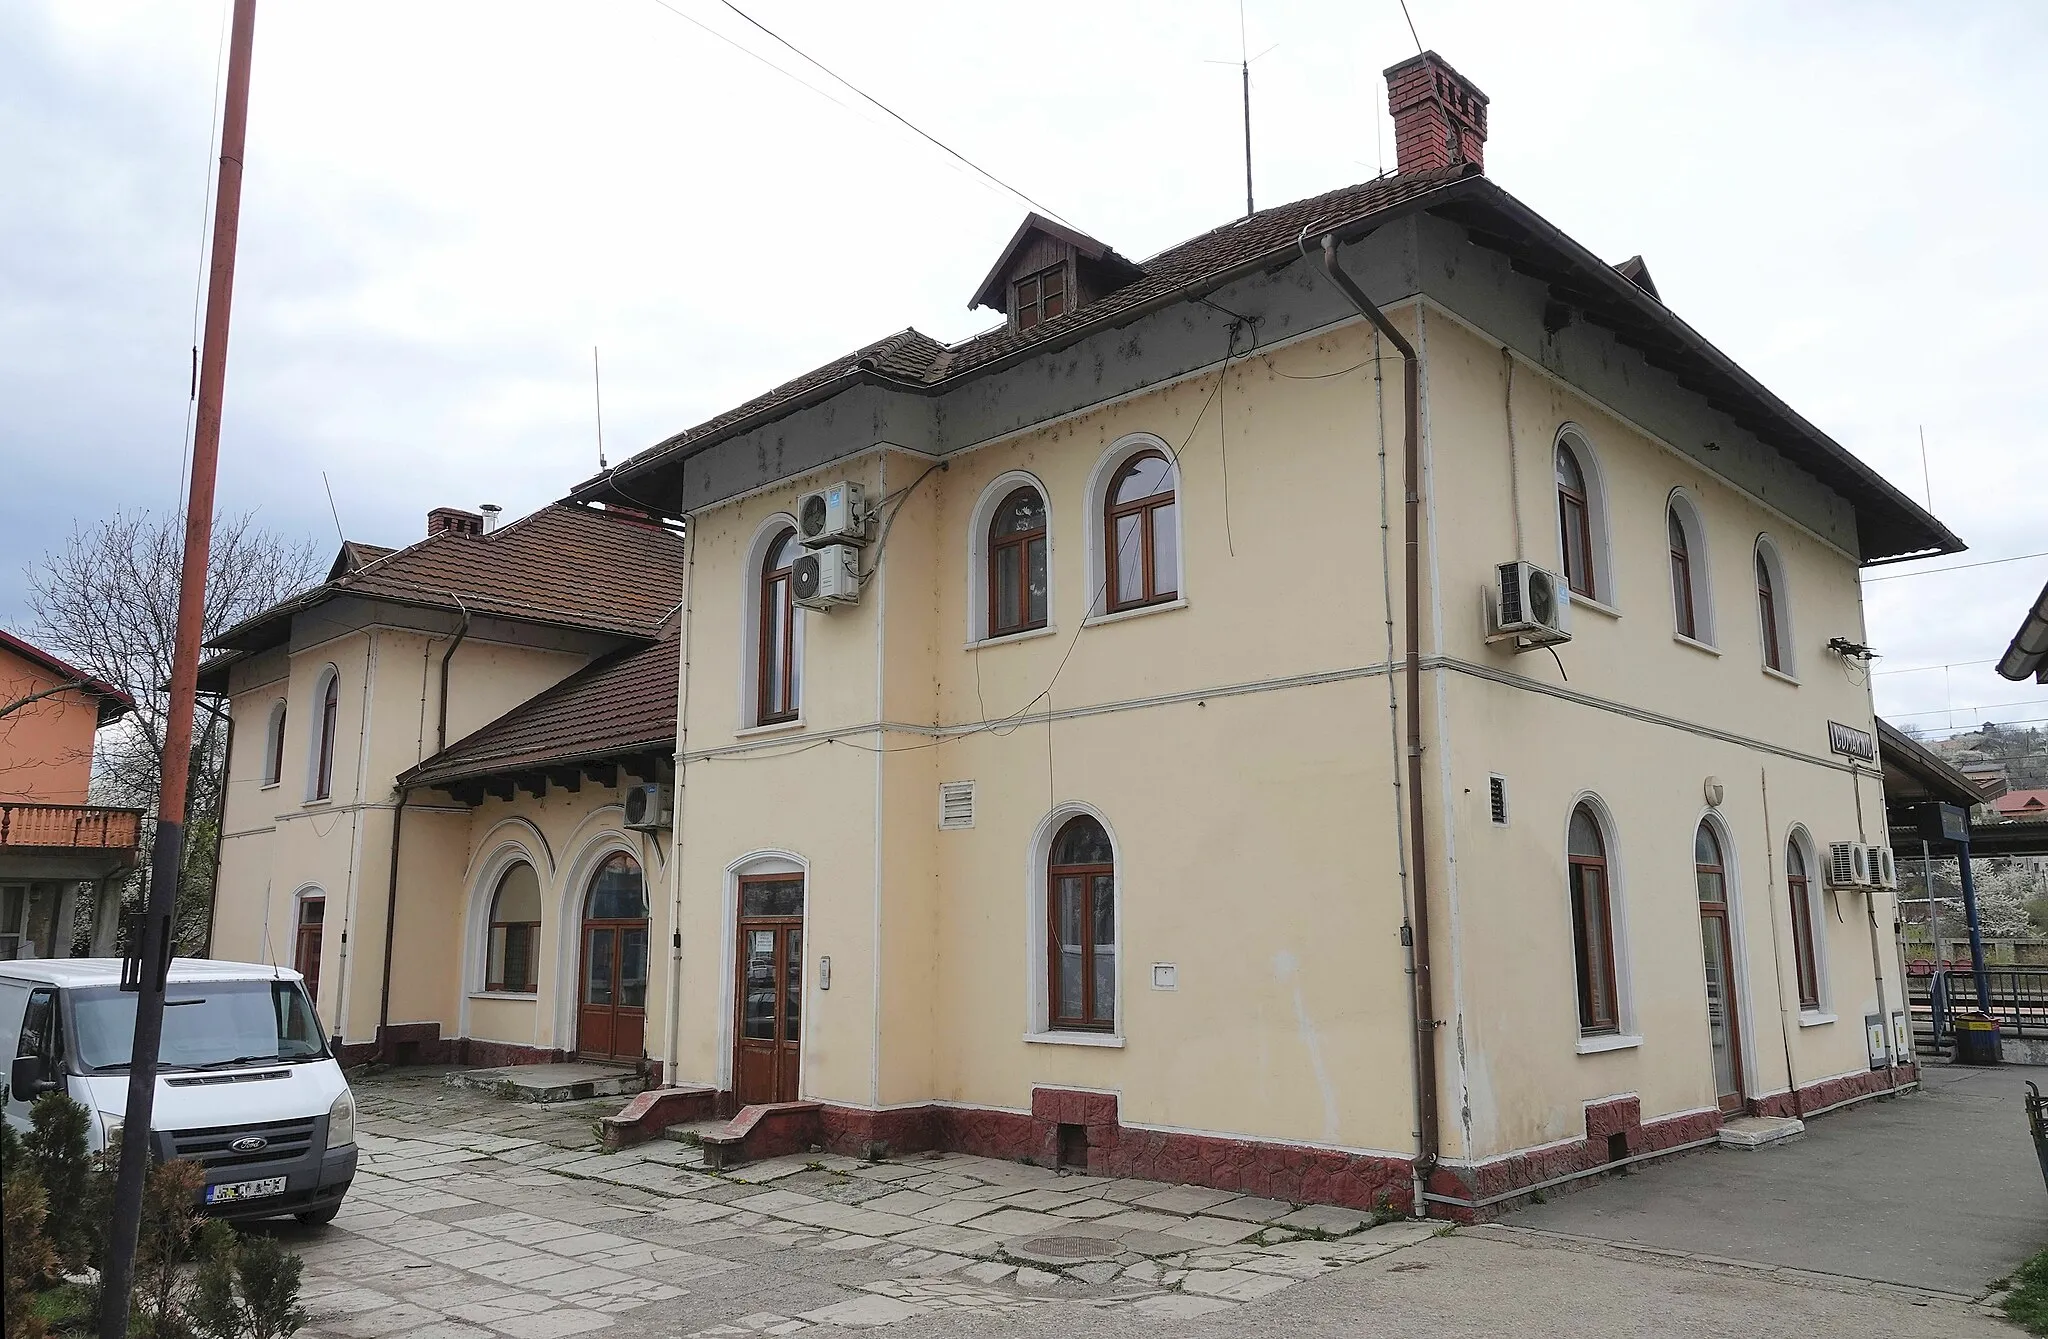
{"x":769,"y":990}
{"x":611,"y":1003}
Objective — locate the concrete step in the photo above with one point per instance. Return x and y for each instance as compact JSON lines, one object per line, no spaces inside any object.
{"x":1756,"y":1131}
{"x":551,"y":1083}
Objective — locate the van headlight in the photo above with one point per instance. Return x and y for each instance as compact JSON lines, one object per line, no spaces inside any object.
{"x":110,"y":1126}
{"x":341,"y":1121}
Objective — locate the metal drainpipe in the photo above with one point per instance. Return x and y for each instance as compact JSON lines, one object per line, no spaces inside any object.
{"x":1428,"y":1138}
{"x":390,"y":931}
{"x":672,"y":1046}
{"x":441,"y":723}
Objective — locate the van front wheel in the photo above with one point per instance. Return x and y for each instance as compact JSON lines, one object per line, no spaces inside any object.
{"x":319,"y":1217}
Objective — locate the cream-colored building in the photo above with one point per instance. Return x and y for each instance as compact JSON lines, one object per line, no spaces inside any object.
{"x":1110,"y":806}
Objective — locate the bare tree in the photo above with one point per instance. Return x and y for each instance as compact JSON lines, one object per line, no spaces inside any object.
{"x":107,"y":602}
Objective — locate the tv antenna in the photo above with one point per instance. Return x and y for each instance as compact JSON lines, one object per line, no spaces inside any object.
{"x":1244,"y":64}
{"x":597,"y":389}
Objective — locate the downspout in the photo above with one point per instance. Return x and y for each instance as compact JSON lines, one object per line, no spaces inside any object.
{"x":1884,"y":1014}
{"x":1415,"y":934}
{"x":441,"y":722}
{"x":672,"y":1048}
{"x":1785,"y":1002}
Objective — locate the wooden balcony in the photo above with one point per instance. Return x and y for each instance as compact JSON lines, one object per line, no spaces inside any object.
{"x":68,"y":827}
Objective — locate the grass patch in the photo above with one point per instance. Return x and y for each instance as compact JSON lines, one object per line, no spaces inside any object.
{"x":2028,"y":1304}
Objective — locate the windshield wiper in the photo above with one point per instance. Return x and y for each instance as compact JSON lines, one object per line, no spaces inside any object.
{"x":272,"y":1059}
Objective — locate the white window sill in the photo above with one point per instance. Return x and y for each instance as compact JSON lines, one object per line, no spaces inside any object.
{"x":1814,"y":1020}
{"x":1699,"y":646}
{"x":269,"y":785}
{"x":1608,"y":1042}
{"x":527,"y":997}
{"x":1588,"y":602}
{"x":1779,"y":674}
{"x":1008,"y":637}
{"x":320,"y":803}
{"x":1096,"y":620}
{"x":1109,"y":1039}
{"x":780,"y":727}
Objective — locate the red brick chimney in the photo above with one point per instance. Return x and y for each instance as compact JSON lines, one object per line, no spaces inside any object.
{"x":454,"y":520}
{"x":1439,"y":116}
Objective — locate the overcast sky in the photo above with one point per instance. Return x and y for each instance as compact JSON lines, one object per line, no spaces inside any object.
{"x":447,"y":204}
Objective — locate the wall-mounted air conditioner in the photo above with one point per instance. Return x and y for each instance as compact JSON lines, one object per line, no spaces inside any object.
{"x":826,"y":576}
{"x":650,"y":806}
{"x":835,"y":515}
{"x":1531,"y":607}
{"x":1884,"y":870}
{"x":1848,"y":865}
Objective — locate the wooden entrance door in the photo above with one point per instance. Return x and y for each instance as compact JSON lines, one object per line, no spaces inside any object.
{"x":611,"y":1013}
{"x":306,"y":943}
{"x":769,"y":985}
{"x":1717,"y":948}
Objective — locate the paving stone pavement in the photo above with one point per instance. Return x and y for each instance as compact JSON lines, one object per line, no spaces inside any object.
{"x":473,"y":1218}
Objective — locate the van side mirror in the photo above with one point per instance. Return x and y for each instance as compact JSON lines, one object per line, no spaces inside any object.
{"x":28,"y":1079}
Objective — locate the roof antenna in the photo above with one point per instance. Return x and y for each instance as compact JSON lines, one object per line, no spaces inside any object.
{"x":331,"y":509}
{"x":597,"y":387}
{"x":1244,"y":64}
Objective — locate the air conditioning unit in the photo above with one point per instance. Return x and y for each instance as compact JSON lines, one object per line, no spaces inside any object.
{"x":826,"y":576}
{"x":1848,"y":865}
{"x":1532,"y":606}
{"x":650,"y":806}
{"x":835,"y":515}
{"x":1884,"y":871}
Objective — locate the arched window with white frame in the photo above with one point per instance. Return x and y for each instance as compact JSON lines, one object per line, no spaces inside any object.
{"x":1581,"y":517}
{"x":326,"y":717}
{"x":1135,"y":549}
{"x":1590,"y":881}
{"x":1692,"y":602}
{"x":1009,"y":570}
{"x":772,"y":628}
{"x":1080,"y":882}
{"x":1773,"y":607}
{"x":512,"y":942}
{"x":1802,"y":891}
{"x":273,"y":744}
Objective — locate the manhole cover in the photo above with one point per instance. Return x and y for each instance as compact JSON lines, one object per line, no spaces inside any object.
{"x":1062,"y":1250}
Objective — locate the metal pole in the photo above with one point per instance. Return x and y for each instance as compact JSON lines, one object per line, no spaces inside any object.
{"x":151,"y":968}
{"x":1976,"y":929}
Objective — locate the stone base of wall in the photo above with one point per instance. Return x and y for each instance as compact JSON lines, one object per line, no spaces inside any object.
{"x":1833,"y":1092}
{"x":1614,"y":1130}
{"x":423,"y":1044}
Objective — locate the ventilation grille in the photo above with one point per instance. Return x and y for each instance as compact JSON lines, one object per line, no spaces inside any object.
{"x":1497,"y":799}
{"x":956,"y":805}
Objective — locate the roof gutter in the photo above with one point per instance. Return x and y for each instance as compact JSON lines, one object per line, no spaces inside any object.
{"x":1415,"y":926}
{"x":2028,"y":653}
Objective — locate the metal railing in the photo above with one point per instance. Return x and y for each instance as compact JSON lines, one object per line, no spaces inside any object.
{"x":2019,"y":999}
{"x":85,"y":826}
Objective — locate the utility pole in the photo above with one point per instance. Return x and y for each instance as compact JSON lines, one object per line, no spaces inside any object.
{"x":147,"y":968}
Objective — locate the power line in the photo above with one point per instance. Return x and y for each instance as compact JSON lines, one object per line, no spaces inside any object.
{"x":1411,"y":27}
{"x":751,"y":54}
{"x":1957,"y":567}
{"x":891,"y":112}
{"x":1967,"y":710}
{"x":1922,"y":669}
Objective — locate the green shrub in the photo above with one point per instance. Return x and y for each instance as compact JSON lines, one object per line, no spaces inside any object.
{"x":55,"y":1148}
{"x":246,"y":1287}
{"x":2028,"y":1303}
{"x":29,"y":1256}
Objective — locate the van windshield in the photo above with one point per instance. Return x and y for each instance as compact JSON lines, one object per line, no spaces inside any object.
{"x":207,"y":1025}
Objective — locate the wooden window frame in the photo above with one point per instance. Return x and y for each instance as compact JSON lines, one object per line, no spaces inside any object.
{"x":1591,"y":1022}
{"x":1146,"y":509}
{"x":776,"y":608}
{"x":491,"y":933}
{"x":1575,"y":529}
{"x":1021,"y":541}
{"x":1767,"y":610}
{"x":330,"y":711}
{"x":273,"y":746}
{"x":1029,"y":295}
{"x":1806,"y":964}
{"x":1682,"y":597}
{"x":1087,"y":874}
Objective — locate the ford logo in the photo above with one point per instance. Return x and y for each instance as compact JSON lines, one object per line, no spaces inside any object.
{"x":249,"y":1143}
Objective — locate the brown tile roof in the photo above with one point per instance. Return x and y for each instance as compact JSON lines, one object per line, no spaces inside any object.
{"x":566,"y":565}
{"x":1890,"y":525}
{"x":618,"y":704}
{"x":354,"y":556}
{"x":113,"y":703}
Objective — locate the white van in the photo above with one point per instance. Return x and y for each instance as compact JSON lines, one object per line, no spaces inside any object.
{"x":248,"y":1087}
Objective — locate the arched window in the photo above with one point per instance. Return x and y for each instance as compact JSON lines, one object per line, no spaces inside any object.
{"x":1575,"y":521}
{"x":1592,"y":898}
{"x":1080,"y":883}
{"x":1141,"y":534}
{"x":1709,"y":867}
{"x":1717,"y":944}
{"x":273,"y":745}
{"x":1682,"y":606}
{"x":1773,"y":612}
{"x":1016,"y":563}
{"x":511,"y":959}
{"x":779,"y":673}
{"x":617,"y":891}
{"x":1800,"y":889}
{"x":323,"y":746}
{"x":1692,"y":603}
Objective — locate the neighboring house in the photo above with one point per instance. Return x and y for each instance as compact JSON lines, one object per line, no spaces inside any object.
{"x":1105,"y":818}
{"x":2032,"y":804}
{"x":52,"y":841}
{"x":340,"y":691}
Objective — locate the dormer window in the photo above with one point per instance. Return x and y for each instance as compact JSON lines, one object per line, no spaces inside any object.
{"x":1039,"y":297}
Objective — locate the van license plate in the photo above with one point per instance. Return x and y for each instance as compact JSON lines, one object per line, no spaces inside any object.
{"x":245,"y":1190}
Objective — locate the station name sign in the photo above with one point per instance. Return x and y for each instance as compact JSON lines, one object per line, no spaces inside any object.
{"x":1850,"y":742}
